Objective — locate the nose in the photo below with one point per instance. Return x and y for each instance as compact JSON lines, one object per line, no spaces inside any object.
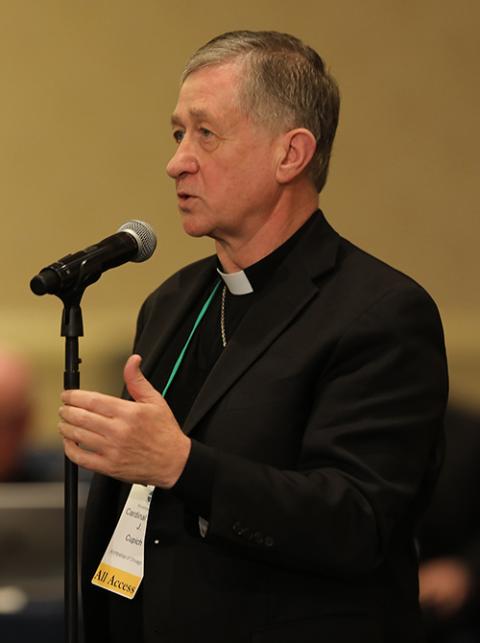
{"x":184,"y":161}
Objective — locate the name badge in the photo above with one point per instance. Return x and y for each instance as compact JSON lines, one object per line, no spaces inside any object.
{"x":121,"y":568}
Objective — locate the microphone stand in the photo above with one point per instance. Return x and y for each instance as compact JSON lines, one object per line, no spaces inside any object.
{"x":71,"y":329}
{"x":57,"y":279}
{"x":90,"y":268}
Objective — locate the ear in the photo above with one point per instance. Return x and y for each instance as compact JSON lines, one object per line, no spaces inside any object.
{"x":297,"y":147}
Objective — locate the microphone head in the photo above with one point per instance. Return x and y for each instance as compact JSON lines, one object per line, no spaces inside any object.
{"x":144,"y":236}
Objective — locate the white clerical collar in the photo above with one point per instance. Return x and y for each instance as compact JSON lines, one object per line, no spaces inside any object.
{"x":236,"y":282}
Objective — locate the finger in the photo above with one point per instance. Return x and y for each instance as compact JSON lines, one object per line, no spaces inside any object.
{"x":85,"y":459}
{"x":91,"y":441}
{"x":93,"y":461}
{"x":84,"y":419}
{"x":99,"y":403}
{"x":137,"y":385}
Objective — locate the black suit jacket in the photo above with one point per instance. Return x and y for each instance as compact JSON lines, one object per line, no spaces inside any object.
{"x":322,"y":419}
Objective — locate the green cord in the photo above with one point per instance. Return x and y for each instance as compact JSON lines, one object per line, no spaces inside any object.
{"x":195,"y":325}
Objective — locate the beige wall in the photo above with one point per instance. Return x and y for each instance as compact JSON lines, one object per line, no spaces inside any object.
{"x":86,"y":90}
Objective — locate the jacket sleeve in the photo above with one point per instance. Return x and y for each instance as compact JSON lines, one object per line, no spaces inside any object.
{"x":370,"y":450}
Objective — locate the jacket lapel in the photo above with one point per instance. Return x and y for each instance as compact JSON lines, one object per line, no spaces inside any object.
{"x":185,"y":289}
{"x":294,"y":287}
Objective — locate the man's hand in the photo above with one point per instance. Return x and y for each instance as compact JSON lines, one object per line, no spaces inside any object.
{"x":137,"y":441}
{"x":445,"y":585}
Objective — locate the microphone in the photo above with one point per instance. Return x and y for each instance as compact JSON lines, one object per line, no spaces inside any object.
{"x":134,"y":241}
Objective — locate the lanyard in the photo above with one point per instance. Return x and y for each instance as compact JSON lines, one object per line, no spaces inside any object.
{"x":201,"y":315}
{"x":121,"y":568}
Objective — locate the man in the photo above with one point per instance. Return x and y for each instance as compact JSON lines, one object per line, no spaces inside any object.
{"x":15,"y":416}
{"x":449,"y":537}
{"x":297,"y":438}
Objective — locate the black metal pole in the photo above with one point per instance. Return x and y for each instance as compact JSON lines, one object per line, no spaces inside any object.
{"x":71,"y":552}
{"x":72,"y":329}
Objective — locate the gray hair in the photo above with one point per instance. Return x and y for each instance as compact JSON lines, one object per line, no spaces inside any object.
{"x":285,"y":86}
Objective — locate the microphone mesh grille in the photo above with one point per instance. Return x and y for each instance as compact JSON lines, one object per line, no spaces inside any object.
{"x":145,"y":236}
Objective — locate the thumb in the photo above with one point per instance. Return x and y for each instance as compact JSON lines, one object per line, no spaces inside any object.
{"x":137,"y":385}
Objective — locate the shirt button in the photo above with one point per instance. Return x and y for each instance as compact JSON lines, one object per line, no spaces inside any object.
{"x":156,"y":541}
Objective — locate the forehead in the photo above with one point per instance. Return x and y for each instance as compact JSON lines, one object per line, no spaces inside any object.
{"x":211,"y":91}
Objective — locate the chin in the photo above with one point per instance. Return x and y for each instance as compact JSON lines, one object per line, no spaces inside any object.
{"x":195,"y":228}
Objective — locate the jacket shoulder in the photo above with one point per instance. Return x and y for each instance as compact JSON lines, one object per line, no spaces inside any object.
{"x":364,"y":273}
{"x":179,"y":280}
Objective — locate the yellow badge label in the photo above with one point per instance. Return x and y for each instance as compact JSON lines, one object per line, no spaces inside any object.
{"x":116,"y":580}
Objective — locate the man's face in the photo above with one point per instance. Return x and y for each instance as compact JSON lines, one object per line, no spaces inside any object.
{"x":224,"y":165}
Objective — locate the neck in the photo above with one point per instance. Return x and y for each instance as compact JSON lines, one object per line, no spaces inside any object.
{"x":241,"y":252}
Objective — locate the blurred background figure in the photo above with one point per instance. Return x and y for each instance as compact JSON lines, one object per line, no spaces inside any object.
{"x":28,"y":566}
{"x":16,"y":406}
{"x":20,"y":460}
{"x":31,"y":513}
{"x":449,"y":538}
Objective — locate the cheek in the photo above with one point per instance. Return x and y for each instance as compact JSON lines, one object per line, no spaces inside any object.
{"x":259,"y":168}
{"x":257,"y":185}
{"x":222,"y":182}
{"x":251,"y":175}
{"x":239,"y":179}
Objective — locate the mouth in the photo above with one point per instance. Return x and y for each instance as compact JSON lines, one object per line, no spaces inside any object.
{"x":185,"y":200}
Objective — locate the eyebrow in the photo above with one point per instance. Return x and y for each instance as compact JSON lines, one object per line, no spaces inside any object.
{"x":196,"y":113}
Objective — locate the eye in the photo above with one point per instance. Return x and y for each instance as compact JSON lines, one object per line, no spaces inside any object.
{"x":208,"y":140}
{"x":178,"y":135}
{"x":206,"y":133}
